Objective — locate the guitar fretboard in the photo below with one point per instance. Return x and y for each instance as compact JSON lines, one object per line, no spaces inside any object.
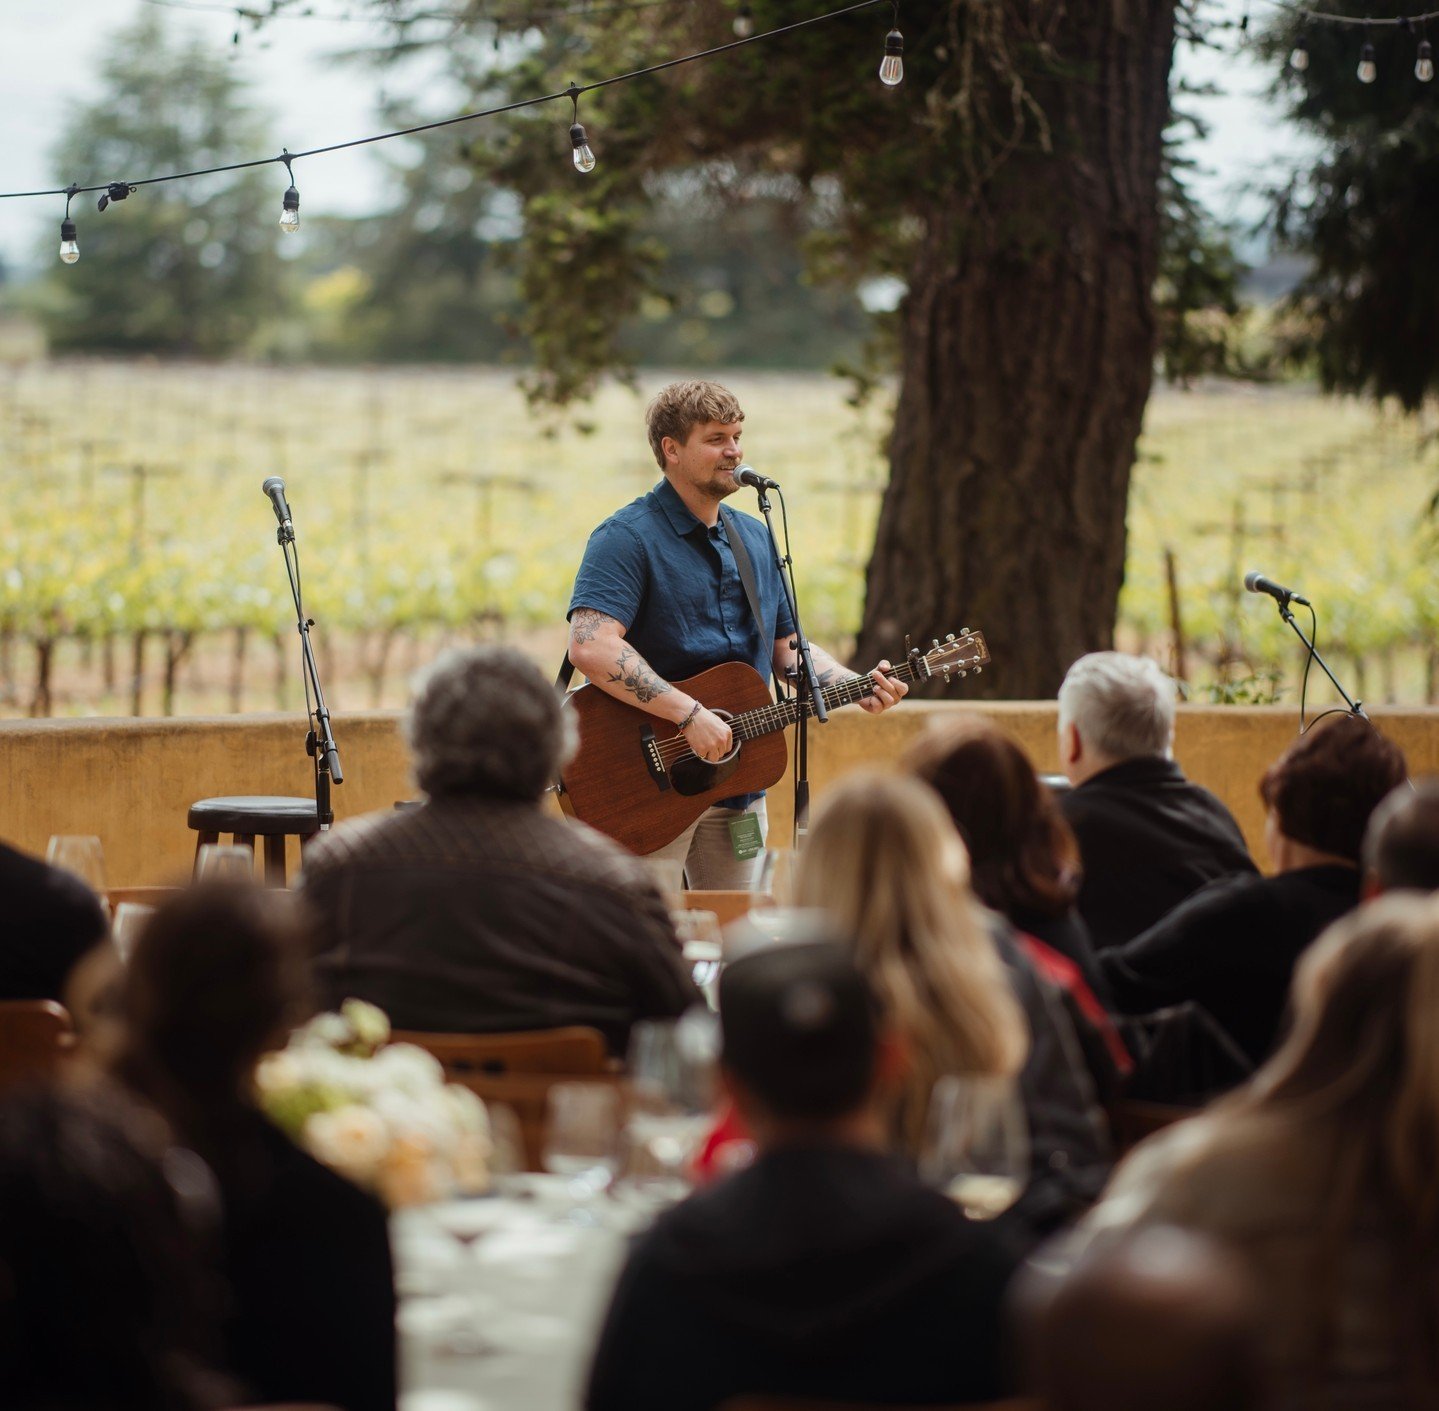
{"x":783,"y":714}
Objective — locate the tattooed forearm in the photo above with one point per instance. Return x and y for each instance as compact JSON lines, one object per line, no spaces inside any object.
{"x":833,"y":673}
{"x":585,"y":624}
{"x":637,"y":676}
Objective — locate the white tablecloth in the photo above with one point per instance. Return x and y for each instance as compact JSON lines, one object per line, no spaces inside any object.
{"x":535,"y":1287}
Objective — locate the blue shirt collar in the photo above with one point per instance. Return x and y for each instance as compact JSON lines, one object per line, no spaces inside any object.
{"x":682,"y":519}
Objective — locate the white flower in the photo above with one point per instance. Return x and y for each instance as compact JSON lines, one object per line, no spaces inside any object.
{"x":352,"y":1140}
{"x":409,"y":1068}
{"x":368,"y":1022}
{"x":278,"y":1073}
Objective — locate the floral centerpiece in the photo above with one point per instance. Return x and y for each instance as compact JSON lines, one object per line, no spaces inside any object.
{"x":379,"y":1113}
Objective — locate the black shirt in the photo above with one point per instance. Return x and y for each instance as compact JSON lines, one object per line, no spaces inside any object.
{"x":48,"y":920}
{"x":1232,"y":948}
{"x":1148,"y":838}
{"x":824,"y":1272}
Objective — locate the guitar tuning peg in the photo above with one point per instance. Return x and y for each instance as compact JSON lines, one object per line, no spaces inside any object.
{"x":944,"y":671}
{"x":950,"y":638}
{"x":964,"y":631}
{"x":964,"y":673}
{"x":936,"y":643}
{"x":978,"y":670}
{"x":908,"y":647}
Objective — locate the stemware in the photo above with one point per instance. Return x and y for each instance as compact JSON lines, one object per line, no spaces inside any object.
{"x":582,"y":1142}
{"x":217,"y":862}
{"x":130,"y":920}
{"x":80,"y":855}
{"x":976,"y":1145}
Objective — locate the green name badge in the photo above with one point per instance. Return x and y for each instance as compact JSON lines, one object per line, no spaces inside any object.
{"x":745,"y":837}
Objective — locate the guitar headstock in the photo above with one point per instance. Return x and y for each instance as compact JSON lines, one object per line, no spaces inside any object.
{"x":958,"y":655}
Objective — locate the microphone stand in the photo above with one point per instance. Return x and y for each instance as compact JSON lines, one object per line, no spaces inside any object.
{"x":319,"y":741}
{"x":810,"y":696}
{"x":1355,"y":707}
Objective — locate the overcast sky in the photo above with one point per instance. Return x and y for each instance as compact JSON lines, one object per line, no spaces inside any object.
{"x":54,"y":48}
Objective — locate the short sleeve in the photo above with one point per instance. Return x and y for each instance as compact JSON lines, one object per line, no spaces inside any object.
{"x":613,"y":574}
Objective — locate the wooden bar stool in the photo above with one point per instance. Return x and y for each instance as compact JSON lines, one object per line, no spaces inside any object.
{"x":273,"y":818}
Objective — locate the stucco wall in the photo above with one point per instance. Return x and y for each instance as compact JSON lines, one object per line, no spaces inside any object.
{"x":131,"y":781}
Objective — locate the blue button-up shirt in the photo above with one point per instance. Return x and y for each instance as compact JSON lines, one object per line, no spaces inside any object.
{"x":674,"y":585}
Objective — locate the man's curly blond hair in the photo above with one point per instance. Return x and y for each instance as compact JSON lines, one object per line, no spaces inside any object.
{"x":680,"y":407}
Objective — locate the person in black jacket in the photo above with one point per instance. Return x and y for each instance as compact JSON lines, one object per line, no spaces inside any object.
{"x":825,"y":1270}
{"x":52,"y":919}
{"x":216,"y":978}
{"x":1233,"y":945}
{"x":1148,"y":837}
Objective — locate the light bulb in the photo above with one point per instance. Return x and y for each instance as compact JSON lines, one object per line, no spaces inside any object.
{"x":290,"y":211}
{"x":584,"y":158}
{"x":891,"y":71}
{"x":69,"y":242}
{"x":1424,"y":64}
{"x":1368,"y":69}
{"x":1299,"y":59}
{"x":743,"y":23}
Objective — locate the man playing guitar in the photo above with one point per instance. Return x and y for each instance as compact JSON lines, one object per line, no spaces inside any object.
{"x":659,"y":597}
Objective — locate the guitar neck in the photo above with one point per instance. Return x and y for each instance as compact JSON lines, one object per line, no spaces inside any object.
{"x":785,"y":713}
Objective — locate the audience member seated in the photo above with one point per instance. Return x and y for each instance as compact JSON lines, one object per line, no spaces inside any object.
{"x":1401,"y":844}
{"x":1148,"y":837}
{"x":825,"y":1269}
{"x":51,"y":919}
{"x":883,"y":858}
{"x":216,"y":978}
{"x":105,"y":1299}
{"x":479,"y":911}
{"x":1164,"y":1319}
{"x":1232,"y":946}
{"x":1320,"y":1173}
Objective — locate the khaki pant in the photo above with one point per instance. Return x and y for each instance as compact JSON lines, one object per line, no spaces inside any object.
{"x":707,"y":855}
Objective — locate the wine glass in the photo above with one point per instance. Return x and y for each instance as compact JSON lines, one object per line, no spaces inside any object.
{"x":130,"y":920}
{"x":224,"y":862}
{"x":81,"y":856}
{"x":976,"y":1146}
{"x":582,"y":1142}
{"x":702,"y":944}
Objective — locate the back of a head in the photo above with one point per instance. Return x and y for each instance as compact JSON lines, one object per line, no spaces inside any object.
{"x":486,"y":722}
{"x":1164,"y":1318}
{"x":217,"y":975}
{"x":1326,"y":785}
{"x":1022,"y":853}
{"x":1401,"y":844}
{"x":102,"y":1303}
{"x":800,"y":1027}
{"x":1122,"y":705}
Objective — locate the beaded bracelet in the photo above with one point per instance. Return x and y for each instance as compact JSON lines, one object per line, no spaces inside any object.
{"x":694,"y":711}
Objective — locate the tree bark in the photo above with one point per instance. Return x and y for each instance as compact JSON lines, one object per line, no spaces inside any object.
{"x":1028,"y":338}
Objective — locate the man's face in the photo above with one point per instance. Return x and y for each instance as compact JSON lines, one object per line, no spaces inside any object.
{"x":708,"y":459}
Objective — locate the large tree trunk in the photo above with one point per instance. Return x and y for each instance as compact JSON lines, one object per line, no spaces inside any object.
{"x":1028,"y":341}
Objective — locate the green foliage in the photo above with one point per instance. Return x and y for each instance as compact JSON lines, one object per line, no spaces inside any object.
{"x":1365,"y":210}
{"x":185,"y":267}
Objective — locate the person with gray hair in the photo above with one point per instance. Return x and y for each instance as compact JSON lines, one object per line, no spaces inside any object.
{"x":1149,"y":838}
{"x":479,"y":910}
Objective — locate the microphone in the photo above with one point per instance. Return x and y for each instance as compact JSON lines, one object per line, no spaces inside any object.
{"x":746,"y":474}
{"x":274,"y":487}
{"x":1258,"y":583}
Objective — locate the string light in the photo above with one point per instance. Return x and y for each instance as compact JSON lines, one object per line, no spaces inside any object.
{"x":1368,"y":70}
{"x":891,"y":68}
{"x":744,"y":21}
{"x":584,"y":158}
{"x":1424,"y":62}
{"x":69,"y":237}
{"x":1299,"y":55}
{"x":290,"y":203}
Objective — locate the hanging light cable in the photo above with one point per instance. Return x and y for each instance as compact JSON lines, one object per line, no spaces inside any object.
{"x":584,"y":157}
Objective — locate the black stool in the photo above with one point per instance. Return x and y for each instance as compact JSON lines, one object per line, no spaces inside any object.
{"x":273,"y":818}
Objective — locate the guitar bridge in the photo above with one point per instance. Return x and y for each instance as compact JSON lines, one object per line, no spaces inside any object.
{"x":653,"y":760}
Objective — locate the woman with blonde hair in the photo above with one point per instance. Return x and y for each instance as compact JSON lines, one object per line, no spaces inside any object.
{"x":884,"y":858}
{"x":1323,"y":1172}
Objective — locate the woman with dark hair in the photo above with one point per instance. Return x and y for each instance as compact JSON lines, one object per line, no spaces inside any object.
{"x":217,"y":978}
{"x":1232,"y":946}
{"x":1321,"y":1172}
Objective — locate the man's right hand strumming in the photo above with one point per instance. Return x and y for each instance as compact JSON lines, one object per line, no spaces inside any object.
{"x":708,"y":735}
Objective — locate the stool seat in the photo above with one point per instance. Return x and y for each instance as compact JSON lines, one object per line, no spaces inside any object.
{"x":261,"y":814}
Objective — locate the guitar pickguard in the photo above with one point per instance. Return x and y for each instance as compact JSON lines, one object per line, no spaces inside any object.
{"x":694,"y":776}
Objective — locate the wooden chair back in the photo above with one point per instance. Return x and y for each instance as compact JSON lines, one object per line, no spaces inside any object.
{"x":573,"y":1051}
{"x":527,"y":1095}
{"x":727,"y":906}
{"x":36,"y":1038}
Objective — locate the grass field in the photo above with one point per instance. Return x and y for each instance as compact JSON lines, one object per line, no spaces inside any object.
{"x":140,"y":571}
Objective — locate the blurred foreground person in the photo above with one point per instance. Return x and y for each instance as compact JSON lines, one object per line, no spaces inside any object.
{"x":216,"y":979}
{"x":1321,"y":1173}
{"x":885,"y":860}
{"x":826,"y":1269}
{"x":1401,"y":844}
{"x":105,"y":1301}
{"x":1148,"y":837}
{"x":51,"y":920}
{"x":1163,"y":1321}
{"x":1232,"y":946}
{"x":479,"y":911}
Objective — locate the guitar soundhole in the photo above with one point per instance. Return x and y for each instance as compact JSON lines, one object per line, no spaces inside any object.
{"x":696,"y":776}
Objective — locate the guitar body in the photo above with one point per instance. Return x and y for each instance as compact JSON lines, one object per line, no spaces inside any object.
{"x":619,"y":783}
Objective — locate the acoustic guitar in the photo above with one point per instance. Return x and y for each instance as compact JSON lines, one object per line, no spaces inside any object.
{"x":636,"y":779}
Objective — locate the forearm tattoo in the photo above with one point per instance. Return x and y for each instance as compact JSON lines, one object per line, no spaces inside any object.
{"x":637,"y":676}
{"x":585,"y":624}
